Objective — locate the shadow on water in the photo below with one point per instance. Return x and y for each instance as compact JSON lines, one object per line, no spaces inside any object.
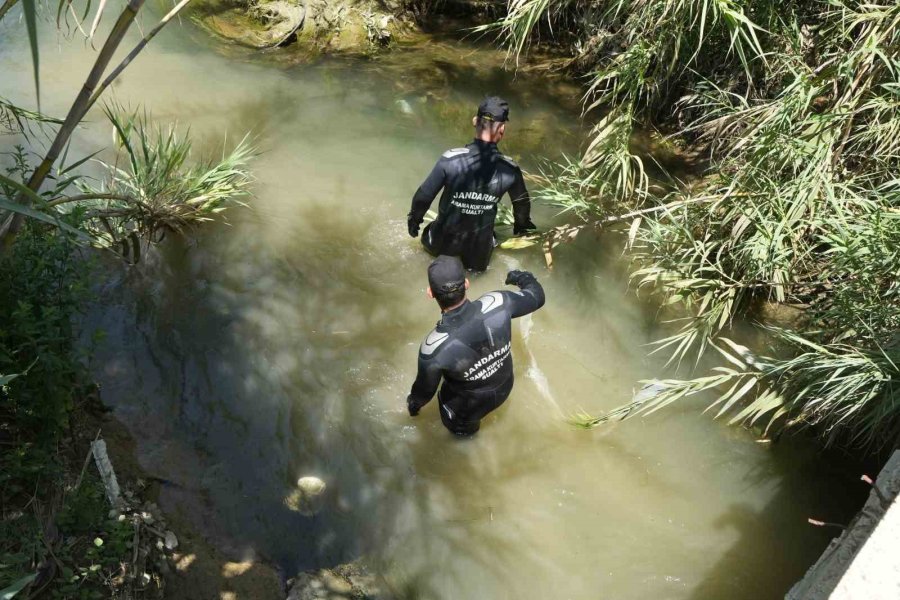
{"x":770,"y":552}
{"x":256,"y":363}
{"x":234,"y":400}
{"x":447,"y":528}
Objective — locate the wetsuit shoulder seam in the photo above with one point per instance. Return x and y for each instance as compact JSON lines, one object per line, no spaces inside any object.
{"x":490,"y":301}
{"x":509,"y":160}
{"x":455,"y":153}
{"x":432,"y":342}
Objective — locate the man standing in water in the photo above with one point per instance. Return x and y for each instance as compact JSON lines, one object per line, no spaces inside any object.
{"x":470,"y":347}
{"x":474,"y":179}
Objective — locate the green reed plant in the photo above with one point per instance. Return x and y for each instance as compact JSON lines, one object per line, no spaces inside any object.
{"x":798,"y":111}
{"x":637,"y":55}
{"x":154,"y":185}
{"x":97,"y":81}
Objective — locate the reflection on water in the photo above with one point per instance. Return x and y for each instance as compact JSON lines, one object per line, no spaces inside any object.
{"x":283,"y":345}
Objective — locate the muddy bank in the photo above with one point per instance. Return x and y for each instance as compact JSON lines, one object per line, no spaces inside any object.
{"x":195,"y":568}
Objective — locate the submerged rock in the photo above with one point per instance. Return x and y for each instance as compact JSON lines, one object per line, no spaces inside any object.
{"x":308,"y":498}
{"x":351,"y":580}
{"x":171,"y":541}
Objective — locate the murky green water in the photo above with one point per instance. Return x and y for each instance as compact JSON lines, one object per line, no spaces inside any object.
{"x":284,"y":344}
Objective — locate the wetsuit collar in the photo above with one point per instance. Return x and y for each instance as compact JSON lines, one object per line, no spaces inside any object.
{"x":482,"y":145}
{"x":453,"y":318}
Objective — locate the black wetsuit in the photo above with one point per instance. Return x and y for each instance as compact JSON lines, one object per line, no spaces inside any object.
{"x":470,"y":349}
{"x":474,"y":179}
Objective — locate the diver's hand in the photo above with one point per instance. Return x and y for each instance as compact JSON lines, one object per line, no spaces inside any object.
{"x":413,"y":226}
{"x":518,"y":278}
{"x":523,"y":228}
{"x":413,"y":405}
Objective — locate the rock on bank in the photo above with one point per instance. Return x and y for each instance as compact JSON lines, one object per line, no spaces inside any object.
{"x":319,"y":26}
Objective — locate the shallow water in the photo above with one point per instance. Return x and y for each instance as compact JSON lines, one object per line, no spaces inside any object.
{"x":284,"y":344}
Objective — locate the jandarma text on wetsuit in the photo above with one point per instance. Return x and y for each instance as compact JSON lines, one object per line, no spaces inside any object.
{"x":474,"y":209}
{"x":496,"y":360}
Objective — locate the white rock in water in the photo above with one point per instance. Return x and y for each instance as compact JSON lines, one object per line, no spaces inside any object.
{"x":308,"y":497}
{"x":312,"y":486}
{"x":171,"y":541}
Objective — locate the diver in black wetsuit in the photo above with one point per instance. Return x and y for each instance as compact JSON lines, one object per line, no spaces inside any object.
{"x":474,"y":179}
{"x":470,"y":347}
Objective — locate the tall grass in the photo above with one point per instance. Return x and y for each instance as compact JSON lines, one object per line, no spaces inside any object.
{"x":797,"y":105}
{"x":154,"y":186}
{"x":97,"y":81}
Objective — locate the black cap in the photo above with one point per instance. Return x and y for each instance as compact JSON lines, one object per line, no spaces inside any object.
{"x":494,"y":108}
{"x":446,"y":274}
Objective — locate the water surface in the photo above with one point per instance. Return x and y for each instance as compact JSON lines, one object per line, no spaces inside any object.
{"x":283,"y":345}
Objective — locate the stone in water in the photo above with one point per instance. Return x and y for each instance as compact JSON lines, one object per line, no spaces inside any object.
{"x":307,"y":499}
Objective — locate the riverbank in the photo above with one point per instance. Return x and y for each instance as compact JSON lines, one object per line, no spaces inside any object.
{"x":80,"y":516}
{"x":247,"y":356}
{"x":196,"y":569}
{"x":81,"y":532}
{"x":364,"y":28}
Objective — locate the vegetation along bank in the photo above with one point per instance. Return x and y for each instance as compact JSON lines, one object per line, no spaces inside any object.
{"x":790,"y":109}
{"x":793,"y":109}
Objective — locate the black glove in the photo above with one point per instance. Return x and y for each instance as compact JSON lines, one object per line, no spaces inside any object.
{"x":413,"y":404}
{"x":522,"y":228}
{"x":412,"y":225}
{"x":518,"y":278}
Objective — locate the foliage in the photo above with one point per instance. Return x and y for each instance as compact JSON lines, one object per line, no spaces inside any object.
{"x":90,"y":92}
{"x":799,"y":111}
{"x":11,"y":186}
{"x":15,"y":119}
{"x":43,"y":285}
{"x":87,"y":560}
{"x":17,"y":586}
{"x":837,"y":388}
{"x":637,"y":54}
{"x":574,"y":188}
{"x":153,"y":188}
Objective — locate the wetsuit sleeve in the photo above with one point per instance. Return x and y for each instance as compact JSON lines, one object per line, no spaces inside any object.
{"x":530,"y":296}
{"x":425,"y":386}
{"x":521,"y":204}
{"x":424,"y":196}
